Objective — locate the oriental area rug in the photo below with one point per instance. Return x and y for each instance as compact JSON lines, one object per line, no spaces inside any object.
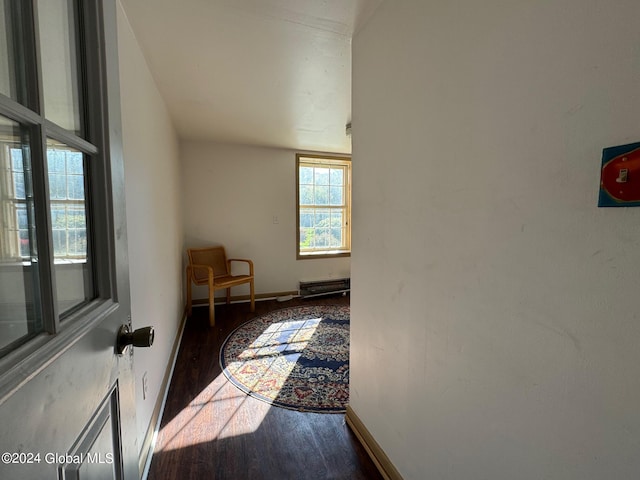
{"x":296,"y":358}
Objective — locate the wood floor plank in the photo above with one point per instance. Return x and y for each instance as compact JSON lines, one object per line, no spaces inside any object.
{"x":211,"y":430}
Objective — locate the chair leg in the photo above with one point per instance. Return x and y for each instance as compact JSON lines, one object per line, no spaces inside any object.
{"x":212,"y":307}
{"x":253,"y":300}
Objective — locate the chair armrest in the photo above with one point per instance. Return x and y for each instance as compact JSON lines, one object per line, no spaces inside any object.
{"x":192,"y":267}
{"x":249,"y":262}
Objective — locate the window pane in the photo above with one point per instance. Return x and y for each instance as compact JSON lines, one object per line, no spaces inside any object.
{"x":18,"y":185}
{"x":60,"y":75}
{"x":59,"y":240}
{"x":336,"y":237}
{"x":322,"y":237}
{"x":75,"y":187}
{"x":56,"y":161}
{"x":337,"y":176}
{"x":306,"y":175}
{"x":322,"y":217}
{"x":20,"y":317}
{"x":321,"y":176}
{"x":306,"y":217}
{"x":322,"y":195}
{"x":78,"y":241}
{"x":69,"y":225}
{"x":12,"y":55}
{"x":306,"y":237}
{"x":306,"y":195}
{"x":336,"y":218}
{"x":58,"y":186}
{"x":23,"y":235}
{"x":336,"y":196}
{"x":74,"y":164}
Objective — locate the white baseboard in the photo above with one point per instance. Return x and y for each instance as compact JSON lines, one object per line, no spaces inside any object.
{"x":382,"y":462}
{"x":146,"y":452}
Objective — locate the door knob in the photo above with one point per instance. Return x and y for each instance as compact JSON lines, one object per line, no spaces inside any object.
{"x":141,"y":337}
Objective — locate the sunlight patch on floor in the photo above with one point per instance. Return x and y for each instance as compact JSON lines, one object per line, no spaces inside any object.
{"x":272,"y":356}
{"x":209,"y":415}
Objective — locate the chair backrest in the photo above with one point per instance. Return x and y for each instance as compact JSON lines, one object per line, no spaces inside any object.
{"x":215,"y":257}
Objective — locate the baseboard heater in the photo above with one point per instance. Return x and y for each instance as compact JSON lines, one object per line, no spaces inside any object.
{"x":324,"y":287}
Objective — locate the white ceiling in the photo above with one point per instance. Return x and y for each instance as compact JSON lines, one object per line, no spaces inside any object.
{"x":260,"y":72}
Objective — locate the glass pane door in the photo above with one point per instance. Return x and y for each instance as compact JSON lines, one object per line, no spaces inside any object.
{"x":20,"y":317}
{"x":12,"y":53}
{"x":66,"y":167}
{"x":60,"y":66}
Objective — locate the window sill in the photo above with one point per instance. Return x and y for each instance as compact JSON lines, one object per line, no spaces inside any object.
{"x":57,"y":261}
{"x":323,"y":254}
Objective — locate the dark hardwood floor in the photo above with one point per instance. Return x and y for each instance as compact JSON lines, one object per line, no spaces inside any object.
{"x":211,"y":430}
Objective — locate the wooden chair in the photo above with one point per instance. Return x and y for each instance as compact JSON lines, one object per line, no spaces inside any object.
{"x":210,"y":266}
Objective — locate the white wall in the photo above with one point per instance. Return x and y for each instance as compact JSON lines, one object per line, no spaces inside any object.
{"x":152,"y":176}
{"x":495,"y":308}
{"x":231,"y":194}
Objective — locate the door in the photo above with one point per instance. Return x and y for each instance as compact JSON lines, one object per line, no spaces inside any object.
{"x":66,"y":396}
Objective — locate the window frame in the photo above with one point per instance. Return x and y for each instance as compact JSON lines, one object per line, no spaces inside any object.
{"x":327,"y":161}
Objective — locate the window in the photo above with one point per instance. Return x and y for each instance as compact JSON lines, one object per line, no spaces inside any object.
{"x":66,"y":190}
{"x":66,"y":186}
{"x":323,"y":206}
{"x":15,"y":235}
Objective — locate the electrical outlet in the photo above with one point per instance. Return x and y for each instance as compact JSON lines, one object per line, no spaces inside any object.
{"x":145,"y":386}
{"x":275,"y":219}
